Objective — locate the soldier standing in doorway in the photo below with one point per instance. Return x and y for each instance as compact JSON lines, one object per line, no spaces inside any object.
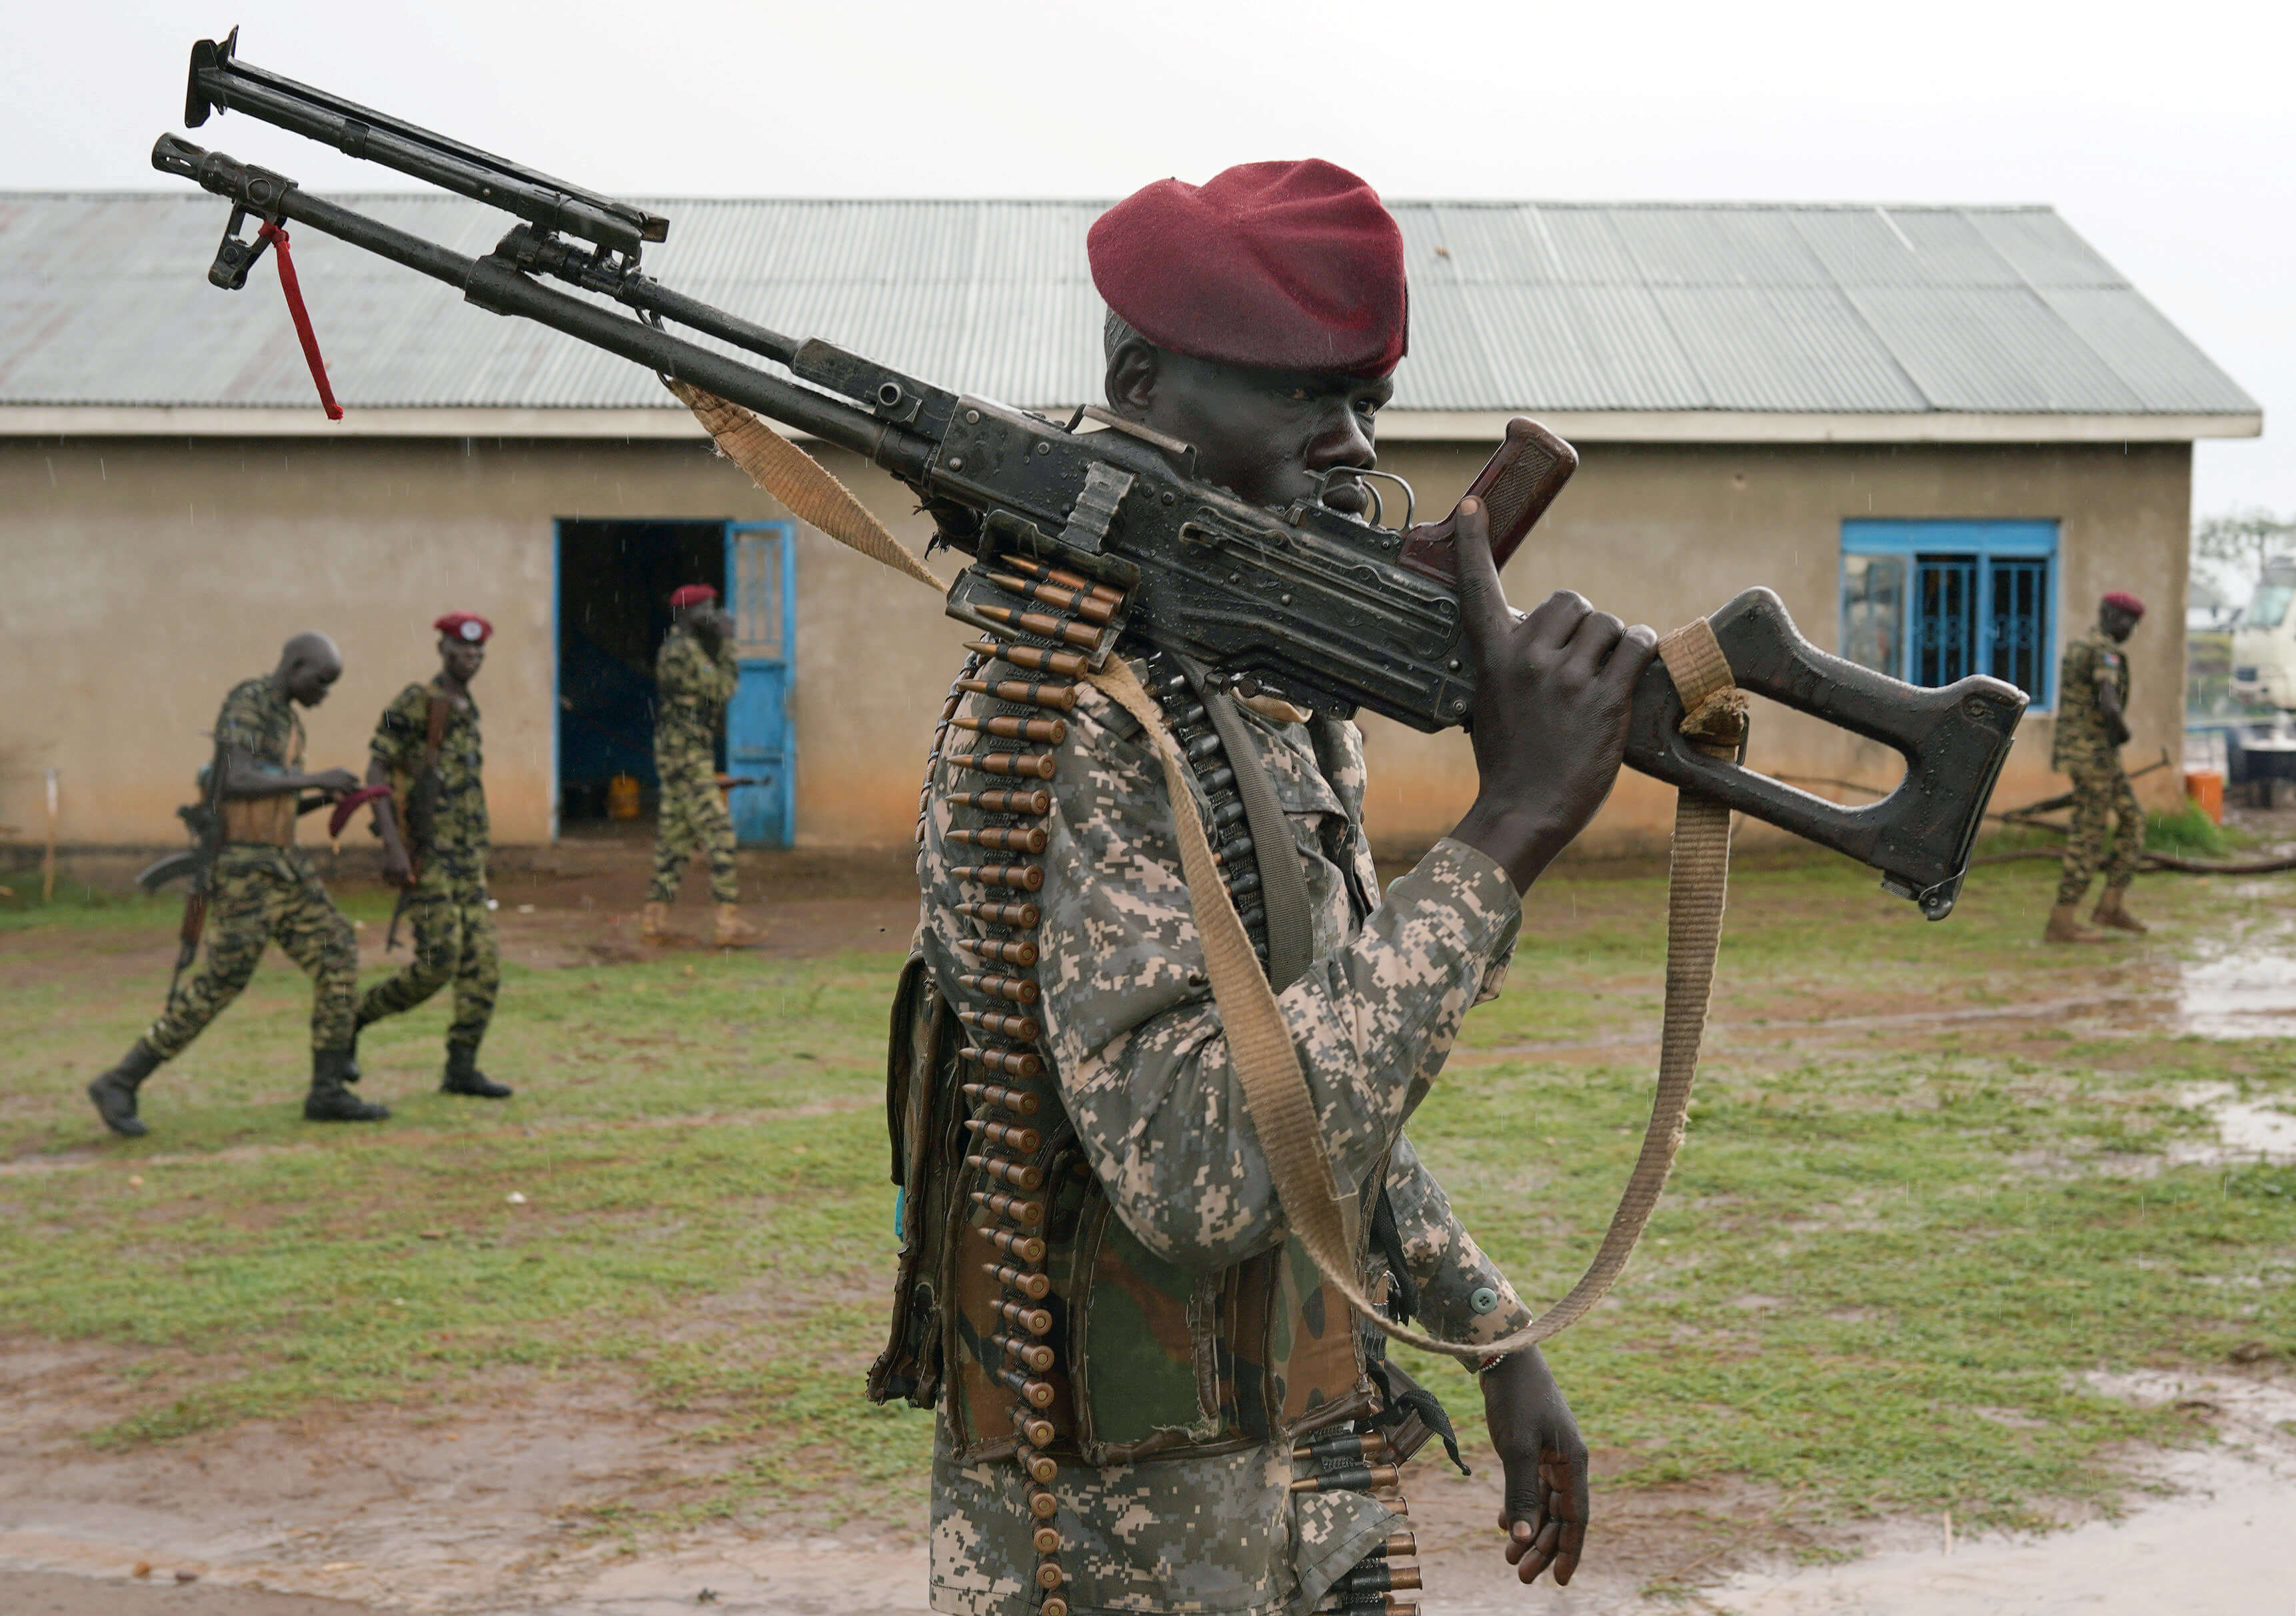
{"x":694,"y":677}
{"x":261,"y":889}
{"x":1148,"y":1400}
{"x":434,"y":832}
{"x":2091,"y":728}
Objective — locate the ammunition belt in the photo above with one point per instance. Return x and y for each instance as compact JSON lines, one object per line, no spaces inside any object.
{"x":1356,"y":1459}
{"x":1022,"y":683}
{"x":1208,"y":760}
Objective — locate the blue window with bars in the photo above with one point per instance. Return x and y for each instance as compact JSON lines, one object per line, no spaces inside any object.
{"x":1932,"y":601}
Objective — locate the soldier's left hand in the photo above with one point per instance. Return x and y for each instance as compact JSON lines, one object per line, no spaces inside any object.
{"x":1544,"y":1459}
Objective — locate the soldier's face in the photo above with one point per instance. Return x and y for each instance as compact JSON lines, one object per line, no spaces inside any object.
{"x":460,"y":658}
{"x":310,"y":679}
{"x":1273,"y":436}
{"x":2116,"y":621}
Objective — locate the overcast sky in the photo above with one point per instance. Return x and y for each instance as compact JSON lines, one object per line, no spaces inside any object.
{"x":2165,"y":135}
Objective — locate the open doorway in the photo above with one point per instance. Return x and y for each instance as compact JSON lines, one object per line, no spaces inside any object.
{"x":614,"y":583}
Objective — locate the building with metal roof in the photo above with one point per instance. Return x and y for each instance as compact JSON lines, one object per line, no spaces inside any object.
{"x":1941,"y":433}
{"x":1704,"y":322}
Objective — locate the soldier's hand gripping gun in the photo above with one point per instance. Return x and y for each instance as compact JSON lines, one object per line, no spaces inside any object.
{"x":1323,"y":609}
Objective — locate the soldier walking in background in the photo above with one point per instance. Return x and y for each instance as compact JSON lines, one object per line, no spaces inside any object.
{"x":694,"y":679}
{"x":2091,"y":728}
{"x":261,"y":889}
{"x":433,"y":826}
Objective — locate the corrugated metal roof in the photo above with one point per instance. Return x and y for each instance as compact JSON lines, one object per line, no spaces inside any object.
{"x":1515,"y":306}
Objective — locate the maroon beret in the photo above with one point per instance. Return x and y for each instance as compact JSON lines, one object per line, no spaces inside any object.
{"x":1287,"y":266}
{"x":2126,"y":601}
{"x":466,"y":626}
{"x":692,"y":595}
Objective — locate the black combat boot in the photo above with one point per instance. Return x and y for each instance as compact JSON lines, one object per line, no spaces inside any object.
{"x":114,"y":1093}
{"x":464,"y":1077}
{"x":330,"y":1101}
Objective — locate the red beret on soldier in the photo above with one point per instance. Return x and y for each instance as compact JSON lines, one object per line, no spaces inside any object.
{"x":1278,"y":266}
{"x":692,"y":595}
{"x":466,"y":626}
{"x":2126,"y":603}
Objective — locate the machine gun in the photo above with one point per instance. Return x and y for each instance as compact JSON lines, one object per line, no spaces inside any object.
{"x":1318,"y":607}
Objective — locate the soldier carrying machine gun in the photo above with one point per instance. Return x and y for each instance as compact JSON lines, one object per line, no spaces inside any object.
{"x":1053,"y":1129}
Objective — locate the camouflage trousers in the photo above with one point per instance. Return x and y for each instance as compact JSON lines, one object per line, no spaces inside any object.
{"x":259,"y":896}
{"x":691,"y":818}
{"x":454,"y":941}
{"x":2103,"y":802}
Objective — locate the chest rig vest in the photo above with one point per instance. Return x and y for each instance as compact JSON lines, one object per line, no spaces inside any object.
{"x":1051,"y":1332}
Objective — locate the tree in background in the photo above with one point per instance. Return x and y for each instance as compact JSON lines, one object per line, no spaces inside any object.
{"x":2232,"y":547}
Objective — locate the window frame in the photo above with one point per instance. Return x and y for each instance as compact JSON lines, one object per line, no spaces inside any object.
{"x":1989,"y":540}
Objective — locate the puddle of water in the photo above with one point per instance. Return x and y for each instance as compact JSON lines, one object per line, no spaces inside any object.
{"x":2247,"y":1130}
{"x":2248,"y":992}
{"x":2218,"y":1547}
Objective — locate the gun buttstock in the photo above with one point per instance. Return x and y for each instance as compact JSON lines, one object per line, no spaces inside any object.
{"x":1954,"y":740}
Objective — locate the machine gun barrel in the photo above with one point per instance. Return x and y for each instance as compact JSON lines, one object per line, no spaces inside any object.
{"x":498,"y":285}
{"x":220,"y":82}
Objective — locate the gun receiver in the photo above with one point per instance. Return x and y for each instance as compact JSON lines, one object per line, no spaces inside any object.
{"x":1327,"y":610}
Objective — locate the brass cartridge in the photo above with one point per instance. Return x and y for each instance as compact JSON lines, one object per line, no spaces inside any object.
{"x":1035,"y":658}
{"x":1044,"y":1507}
{"x":1049,"y":1574}
{"x":1023,"y":1141}
{"x":1024,"y":916}
{"x":1033,"y":1285}
{"x":1020,"y":1175}
{"x":1027,"y":1214}
{"x":1028,"y":693}
{"x":1053,"y":1607}
{"x":1036,"y":1393}
{"x":1036,"y":1321}
{"x":1004,"y":799}
{"x":1048,"y":1540}
{"x":1035,"y":1430}
{"x":1011,"y":1063}
{"x":1039,"y":1468}
{"x":1035,"y":765}
{"x":1342,"y":1445}
{"x":1028,"y":1354}
{"x":1027,"y":877}
{"x":1045,"y":732}
{"x":1004,"y":952}
{"x":1368,"y":1605}
{"x":1090,"y":607}
{"x":1352,"y":1479}
{"x":1021,"y":1027}
{"x":1003,"y":838}
{"x":1019,"y":1102}
{"x":1377,"y":1578}
{"x":1044,"y":623}
{"x":1061,"y":576}
{"x":1019,"y":989}
{"x":1019,"y":1246}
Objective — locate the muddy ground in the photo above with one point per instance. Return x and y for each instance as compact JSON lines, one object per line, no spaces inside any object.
{"x":493,"y":1505}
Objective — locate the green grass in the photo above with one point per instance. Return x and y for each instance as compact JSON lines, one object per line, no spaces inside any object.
{"x":1890,"y":1250}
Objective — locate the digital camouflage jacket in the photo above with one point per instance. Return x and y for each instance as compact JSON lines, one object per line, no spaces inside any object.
{"x":1095,"y":1278}
{"x":690,"y":689}
{"x":452,"y":842}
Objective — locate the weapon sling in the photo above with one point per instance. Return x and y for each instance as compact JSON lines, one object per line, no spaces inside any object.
{"x":1260,"y":1043}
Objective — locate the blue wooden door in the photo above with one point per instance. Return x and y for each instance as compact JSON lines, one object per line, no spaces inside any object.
{"x":761,"y":593}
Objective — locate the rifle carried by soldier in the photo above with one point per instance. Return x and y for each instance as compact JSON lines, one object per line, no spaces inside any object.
{"x":1326,"y":611}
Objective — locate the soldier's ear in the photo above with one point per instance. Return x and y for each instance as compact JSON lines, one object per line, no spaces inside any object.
{"x":1133,"y":369}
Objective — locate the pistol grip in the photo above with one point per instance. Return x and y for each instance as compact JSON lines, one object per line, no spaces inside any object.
{"x":1954,"y":740}
{"x":1516,"y":485}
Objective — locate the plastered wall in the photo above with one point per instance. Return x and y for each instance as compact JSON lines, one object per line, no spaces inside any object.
{"x":139,"y":579}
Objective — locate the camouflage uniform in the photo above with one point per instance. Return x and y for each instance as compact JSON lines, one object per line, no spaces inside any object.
{"x":260,"y":893}
{"x":690,"y":689}
{"x":1196,"y":1340}
{"x":2102,"y":797}
{"x":454,"y":928}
